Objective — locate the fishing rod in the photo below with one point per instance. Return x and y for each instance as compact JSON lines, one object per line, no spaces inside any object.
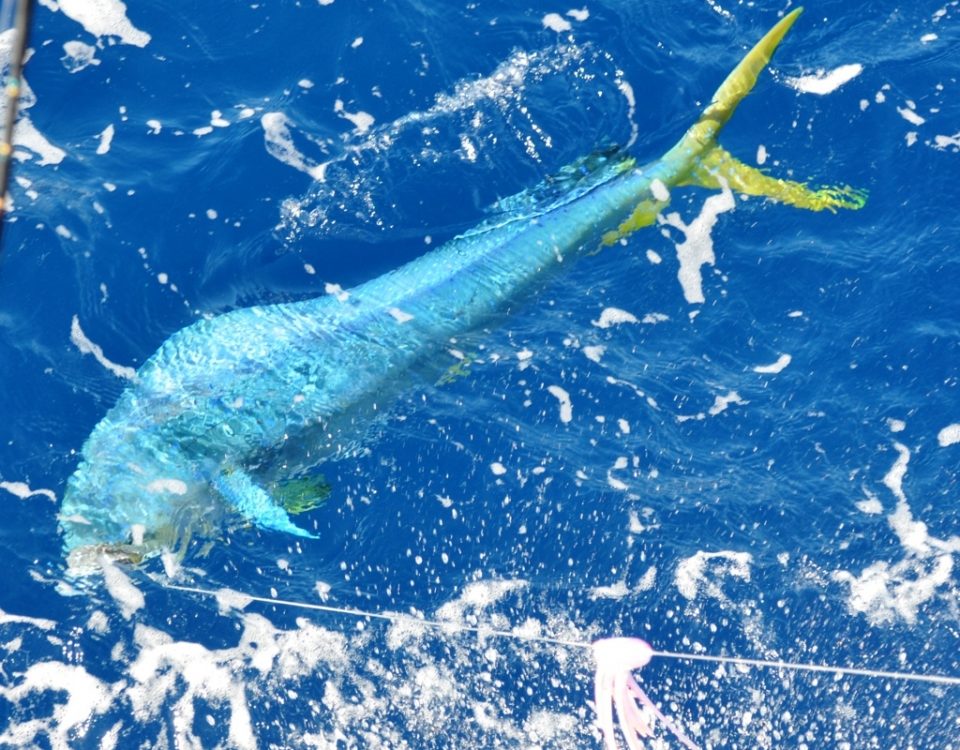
{"x":21,"y":12}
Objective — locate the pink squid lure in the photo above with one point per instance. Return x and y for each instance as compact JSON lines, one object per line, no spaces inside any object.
{"x":615,"y":687}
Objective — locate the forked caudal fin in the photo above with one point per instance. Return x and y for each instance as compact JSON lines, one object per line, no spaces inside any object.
{"x":709,"y":163}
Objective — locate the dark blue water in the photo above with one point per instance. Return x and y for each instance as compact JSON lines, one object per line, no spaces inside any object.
{"x":805,"y":513}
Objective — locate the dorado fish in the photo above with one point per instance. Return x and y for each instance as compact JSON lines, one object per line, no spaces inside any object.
{"x":227,"y":405}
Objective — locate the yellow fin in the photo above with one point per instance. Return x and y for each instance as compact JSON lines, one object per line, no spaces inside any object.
{"x":302,"y":494}
{"x":643,"y":215}
{"x":742,"y":178}
{"x":703,"y":133}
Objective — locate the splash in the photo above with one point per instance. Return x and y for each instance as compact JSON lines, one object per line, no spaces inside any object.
{"x":497,"y":111}
{"x":691,"y":572}
{"x":399,"y":684}
{"x":887,"y":592}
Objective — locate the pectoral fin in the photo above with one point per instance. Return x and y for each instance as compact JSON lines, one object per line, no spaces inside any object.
{"x":302,"y":494}
{"x":255,"y":504}
{"x":717,"y":163}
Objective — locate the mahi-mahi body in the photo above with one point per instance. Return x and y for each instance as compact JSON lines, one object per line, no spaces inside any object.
{"x":212,"y":412}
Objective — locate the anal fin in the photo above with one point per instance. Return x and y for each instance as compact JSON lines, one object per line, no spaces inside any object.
{"x":643,"y":215}
{"x":717,"y":163}
{"x":255,"y":504}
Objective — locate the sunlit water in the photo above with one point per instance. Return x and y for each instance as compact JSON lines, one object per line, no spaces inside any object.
{"x":772,"y":472}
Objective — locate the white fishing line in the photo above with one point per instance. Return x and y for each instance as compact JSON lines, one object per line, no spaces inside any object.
{"x":493,"y":632}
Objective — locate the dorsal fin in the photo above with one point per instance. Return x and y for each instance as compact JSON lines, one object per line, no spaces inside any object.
{"x":568,"y":183}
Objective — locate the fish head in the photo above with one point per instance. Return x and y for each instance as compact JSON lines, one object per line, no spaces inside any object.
{"x":126,"y":514}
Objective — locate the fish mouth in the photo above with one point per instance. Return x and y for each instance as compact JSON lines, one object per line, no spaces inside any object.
{"x":93,"y":558}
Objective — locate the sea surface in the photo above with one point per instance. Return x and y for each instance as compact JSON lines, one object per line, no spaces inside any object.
{"x":772,"y":472}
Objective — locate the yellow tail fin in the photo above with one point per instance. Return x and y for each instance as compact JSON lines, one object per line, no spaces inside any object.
{"x":735,"y":87}
{"x":711,"y":162}
{"x":718,"y":164}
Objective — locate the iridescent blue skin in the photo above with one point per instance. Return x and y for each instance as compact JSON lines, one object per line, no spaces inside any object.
{"x":226,"y":406}
{"x":238,"y":391}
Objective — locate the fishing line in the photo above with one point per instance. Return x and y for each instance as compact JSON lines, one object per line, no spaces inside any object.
{"x":12,"y":87}
{"x":513,"y":635}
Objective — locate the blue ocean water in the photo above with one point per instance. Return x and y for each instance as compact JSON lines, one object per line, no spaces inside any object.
{"x":770,"y":473}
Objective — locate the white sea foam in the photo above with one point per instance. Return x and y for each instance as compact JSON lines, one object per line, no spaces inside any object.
{"x":616,"y":590}
{"x":885,"y":592}
{"x":361,"y":121}
{"x":556,"y":22}
{"x":721,"y":403}
{"x":26,"y":135}
{"x":383,"y":685}
{"x":896,"y":425}
{"x":616,"y":483}
{"x":478,"y":596}
{"x":825,"y":82}
{"x":337,"y":291}
{"x":949,"y":435}
{"x":279,"y":143}
{"x":660,"y":191}
{"x":702,"y":572}
{"x":614,"y":316}
{"x":697,"y":248}
{"x":944,"y":142}
{"x":871,"y":505}
{"x":127,"y":596}
{"x":566,"y":407}
{"x":38,"y":622}
{"x":204,"y":673}
{"x":24,"y":491}
{"x":772,"y":369}
{"x":229,"y":600}
{"x":909,"y":114}
{"x":86,"y":346}
{"x":106,"y":138}
{"x":594,"y":353}
{"x":77,"y":55}
{"x":86,"y":697}
{"x":105,"y":18}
